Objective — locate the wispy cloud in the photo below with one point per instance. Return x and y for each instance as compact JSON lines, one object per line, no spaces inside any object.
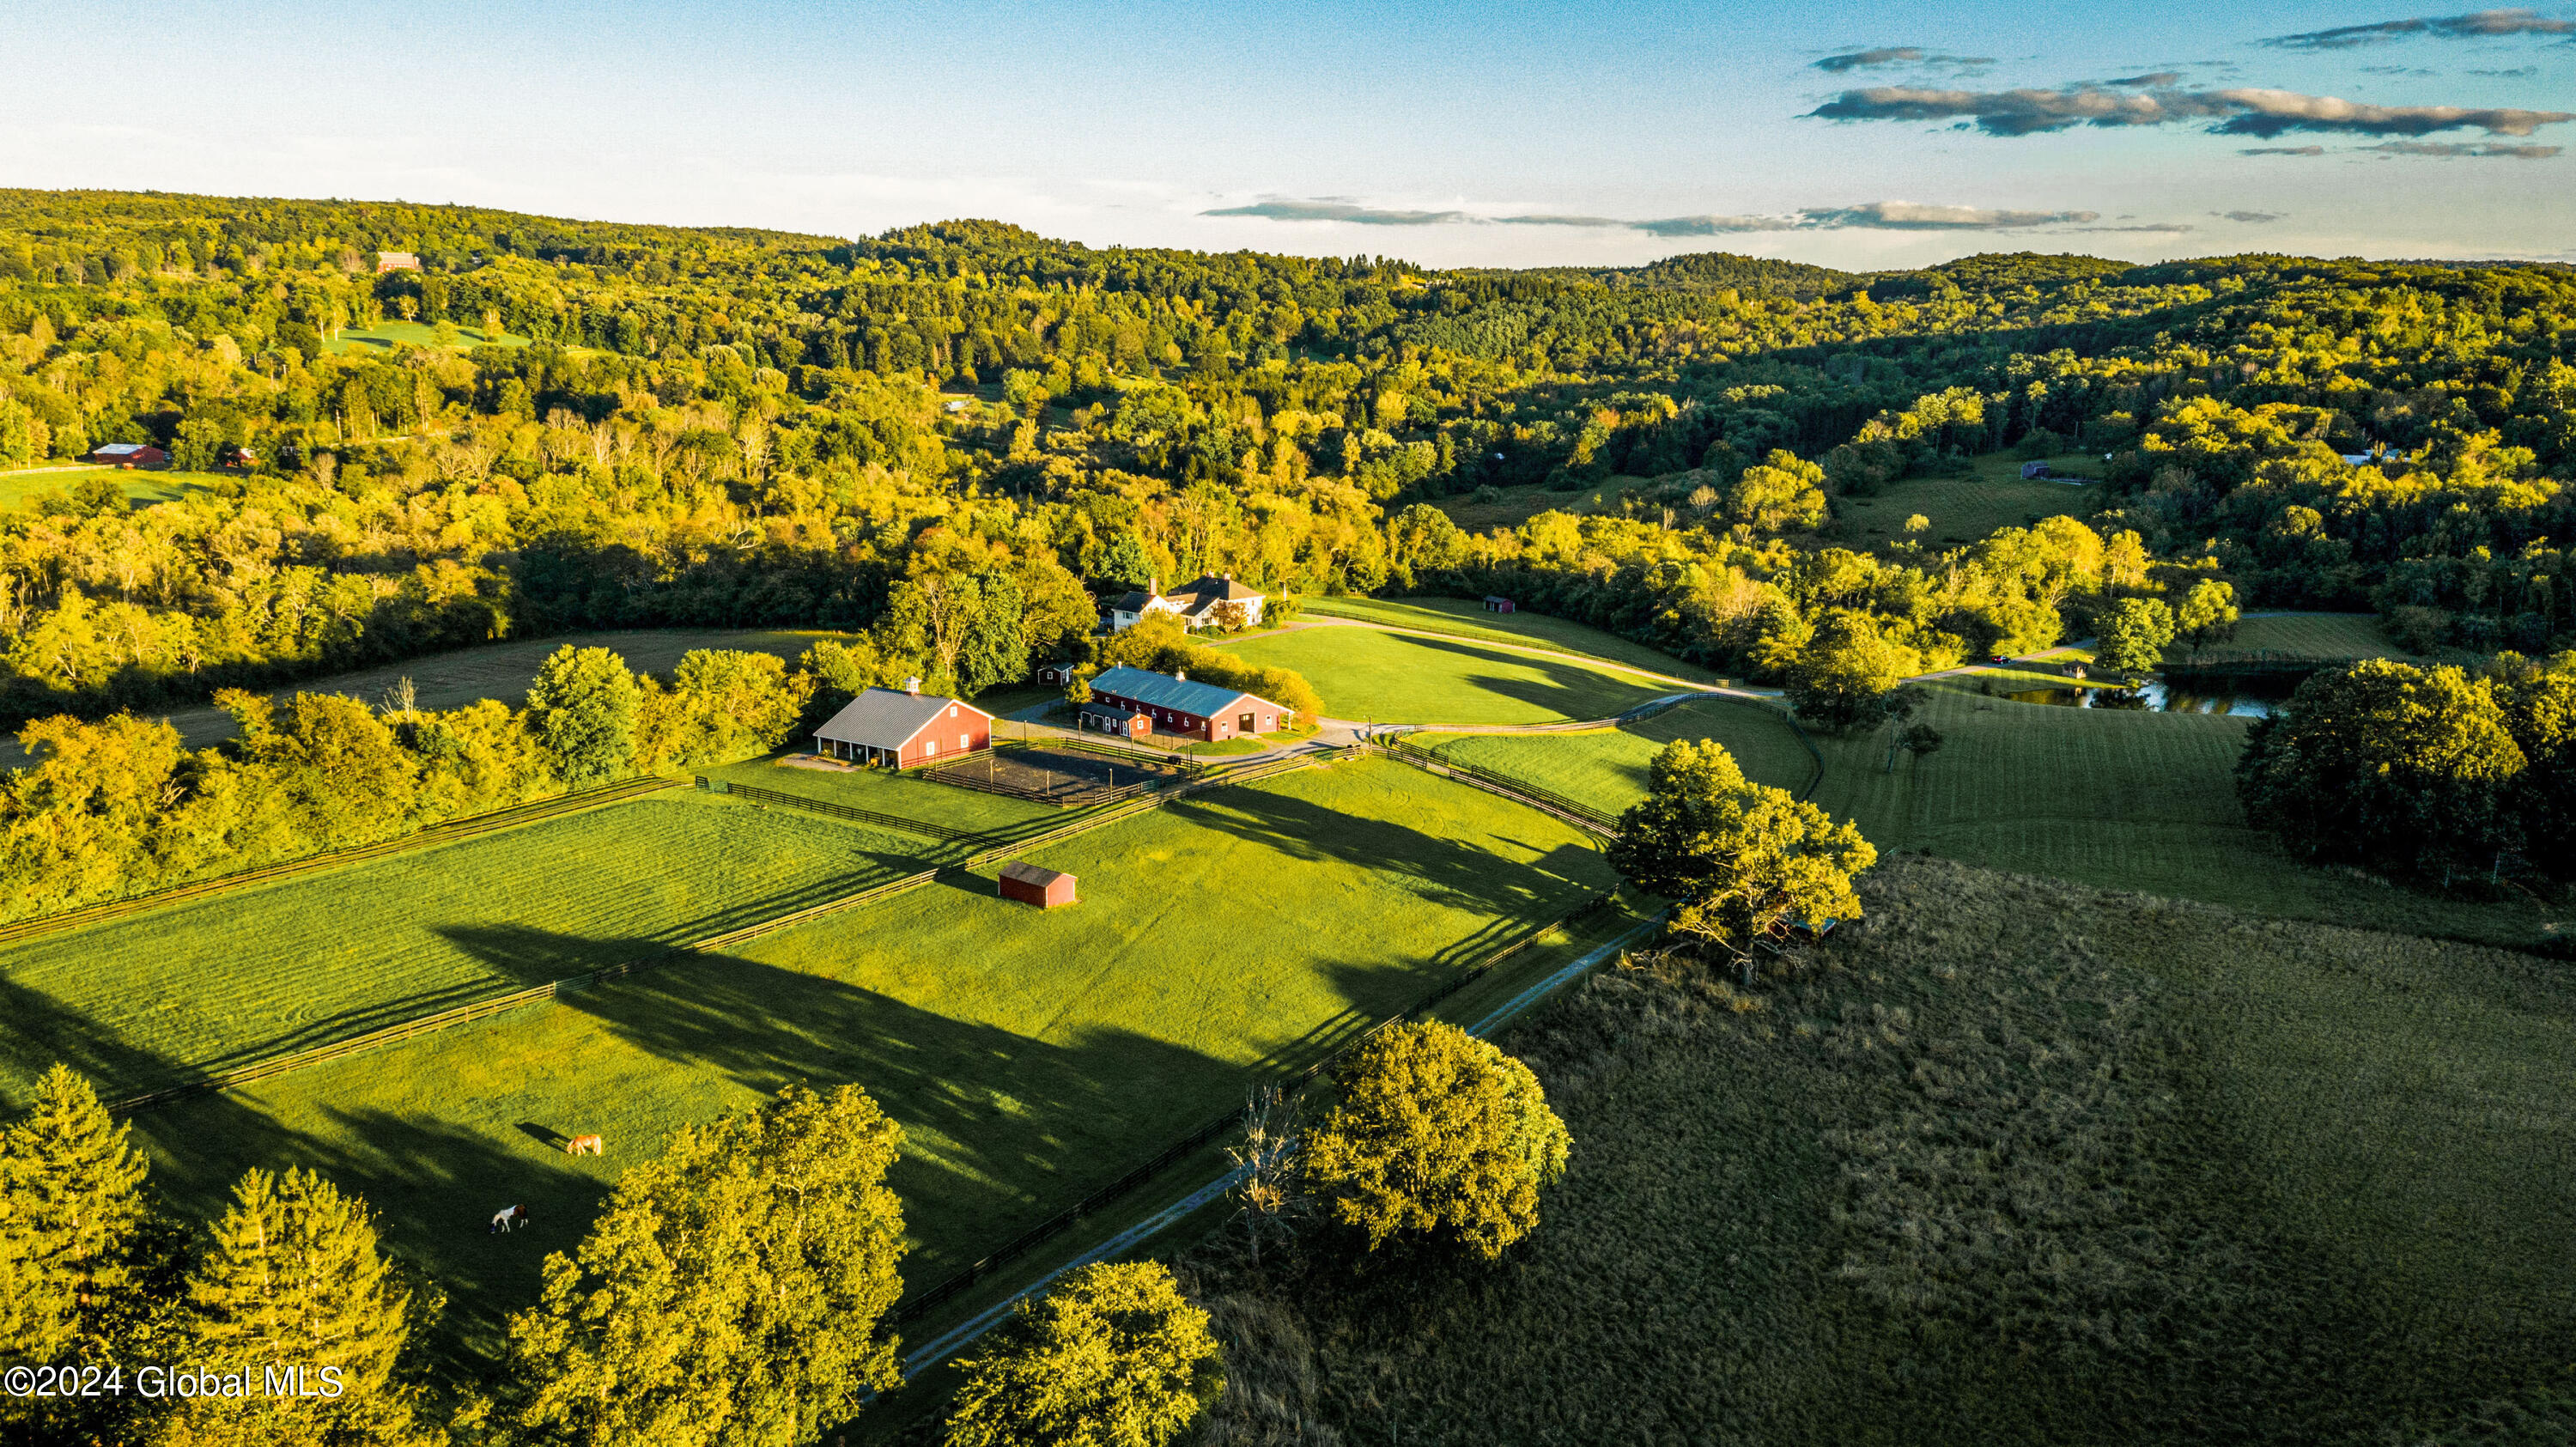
{"x":2477,"y":25}
{"x":2152,"y":80}
{"x":1339,"y":211}
{"x":2459,"y":148}
{"x":2282,"y":151}
{"x":1899,"y":55}
{"x":2163,"y":228}
{"x":2250,"y":217}
{"x":1871,"y":216}
{"x":2234,"y":112}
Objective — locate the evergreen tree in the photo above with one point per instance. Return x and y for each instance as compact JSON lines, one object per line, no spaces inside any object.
{"x":1437,"y":1133}
{"x":71,"y":1206}
{"x":1743,"y":861}
{"x":732,"y":1291}
{"x":583,"y":704}
{"x":1112,"y":1357}
{"x":294,"y":1283}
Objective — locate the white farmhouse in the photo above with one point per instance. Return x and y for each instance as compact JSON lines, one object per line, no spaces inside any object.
{"x":1211,"y":602}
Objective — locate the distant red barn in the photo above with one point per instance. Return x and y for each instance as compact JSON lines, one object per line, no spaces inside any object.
{"x":130,"y":454}
{"x":1027,"y":883}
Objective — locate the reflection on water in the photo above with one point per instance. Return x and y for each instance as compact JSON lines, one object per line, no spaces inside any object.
{"x":2201,"y":693}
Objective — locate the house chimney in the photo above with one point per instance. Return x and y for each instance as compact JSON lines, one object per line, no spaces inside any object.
{"x":912,"y":686}
{"x":1153,"y":585}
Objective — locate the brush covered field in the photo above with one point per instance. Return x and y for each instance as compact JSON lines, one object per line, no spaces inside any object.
{"x":1992,"y":494}
{"x":2117,"y":798}
{"x":1030,"y":1056}
{"x":2016,"y":1161}
{"x":1365,"y":674}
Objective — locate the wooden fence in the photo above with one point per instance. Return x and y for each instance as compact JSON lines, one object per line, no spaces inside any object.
{"x":429,"y":838}
{"x":1199,"y":1138}
{"x":1573,"y":811}
{"x":896,"y":822}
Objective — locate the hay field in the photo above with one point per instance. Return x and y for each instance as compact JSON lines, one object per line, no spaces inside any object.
{"x":2019,"y":1163}
{"x":1364,"y":674}
{"x":240,"y":976}
{"x":382,"y":336}
{"x":1966,"y":508}
{"x":2117,"y":798}
{"x":142,"y":488}
{"x":2317,"y":635}
{"x":1465,"y":618}
{"x":1029,"y":1056}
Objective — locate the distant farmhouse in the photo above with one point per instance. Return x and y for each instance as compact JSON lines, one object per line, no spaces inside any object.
{"x":903,"y":729}
{"x":1211,"y":602}
{"x":1206,"y":711}
{"x":396,"y":261}
{"x":130,"y":454}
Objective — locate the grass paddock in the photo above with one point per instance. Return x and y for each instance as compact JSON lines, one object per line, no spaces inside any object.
{"x":1365,"y":674}
{"x":1466,"y":618}
{"x":1030,"y":1055}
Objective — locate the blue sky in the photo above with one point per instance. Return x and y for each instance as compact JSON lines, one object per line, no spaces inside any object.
{"x":1601,"y":133}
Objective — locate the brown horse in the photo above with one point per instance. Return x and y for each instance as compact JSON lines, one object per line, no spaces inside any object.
{"x":585,"y":1145}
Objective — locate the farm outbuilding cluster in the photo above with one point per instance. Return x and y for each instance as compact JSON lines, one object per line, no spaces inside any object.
{"x":130,"y":454}
{"x":1204,"y":711}
{"x":902,"y":729}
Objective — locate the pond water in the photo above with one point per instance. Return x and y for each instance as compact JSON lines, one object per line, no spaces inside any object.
{"x":2245,"y":697}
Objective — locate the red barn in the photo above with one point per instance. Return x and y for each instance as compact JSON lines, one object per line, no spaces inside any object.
{"x":130,"y":454}
{"x":904,"y":729}
{"x":1045,"y":888}
{"x":1196,"y":710}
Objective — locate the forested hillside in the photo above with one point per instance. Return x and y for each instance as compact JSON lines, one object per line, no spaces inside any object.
{"x":609,"y":425}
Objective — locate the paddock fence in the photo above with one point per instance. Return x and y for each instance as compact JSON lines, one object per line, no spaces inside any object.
{"x":1200,"y":1138}
{"x":430,"y":838}
{"x":758,"y":795}
{"x":1548,"y":801}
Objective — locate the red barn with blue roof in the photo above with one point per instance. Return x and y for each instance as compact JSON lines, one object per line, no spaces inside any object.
{"x":1205,"y":711}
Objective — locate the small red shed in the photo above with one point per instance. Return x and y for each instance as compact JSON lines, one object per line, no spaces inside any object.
{"x":1027,"y":883}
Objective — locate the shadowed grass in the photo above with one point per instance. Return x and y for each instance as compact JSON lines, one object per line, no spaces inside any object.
{"x":1392,"y":678}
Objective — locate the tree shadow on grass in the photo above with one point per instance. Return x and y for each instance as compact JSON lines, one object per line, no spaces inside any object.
{"x":1567,"y":689}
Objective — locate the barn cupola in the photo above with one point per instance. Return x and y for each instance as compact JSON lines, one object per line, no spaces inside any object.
{"x":912,"y":686}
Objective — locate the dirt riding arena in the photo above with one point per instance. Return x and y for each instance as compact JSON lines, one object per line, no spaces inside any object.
{"x":1051,"y":775}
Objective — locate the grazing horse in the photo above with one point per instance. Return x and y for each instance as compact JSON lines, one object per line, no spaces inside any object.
{"x":584,"y":1145}
{"x":507,"y":1217}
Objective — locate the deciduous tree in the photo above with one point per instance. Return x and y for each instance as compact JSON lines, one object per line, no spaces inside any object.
{"x":582,"y":705}
{"x":1742,"y":861}
{"x":1112,"y":1356}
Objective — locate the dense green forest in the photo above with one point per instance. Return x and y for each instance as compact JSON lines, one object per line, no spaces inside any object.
{"x":706,"y":426}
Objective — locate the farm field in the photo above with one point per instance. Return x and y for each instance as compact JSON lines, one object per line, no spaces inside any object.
{"x":494,"y":670}
{"x":1468,"y":619}
{"x":383,"y":335}
{"x":2307,"y":1182}
{"x":1513,"y":506}
{"x":2316,"y":635}
{"x":1966,"y":508}
{"x":240,"y":976}
{"x":142,"y":488}
{"x":1607,"y":767}
{"x":906,"y":796}
{"x":1391,"y":678}
{"x":2116,"y":798}
{"x":1029,"y":1056}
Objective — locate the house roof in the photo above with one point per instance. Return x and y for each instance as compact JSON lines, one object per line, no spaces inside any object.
{"x":1213,"y":589}
{"x":1131,"y":602}
{"x":119,"y":449}
{"x":1027,"y":873}
{"x":887,"y":718}
{"x":1161,"y":690}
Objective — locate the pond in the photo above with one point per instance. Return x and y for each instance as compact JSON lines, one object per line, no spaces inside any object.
{"x":2246,"y":696}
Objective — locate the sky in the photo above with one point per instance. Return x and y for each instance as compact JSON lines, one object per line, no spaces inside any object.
{"x":1857,"y":135}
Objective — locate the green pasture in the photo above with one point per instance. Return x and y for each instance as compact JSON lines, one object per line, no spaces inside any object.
{"x":904,"y":795}
{"x":2316,"y":635}
{"x":1464,"y":618}
{"x":239,"y":976}
{"x":2111,"y":797}
{"x":1512,"y":506}
{"x":142,"y":488}
{"x":2021,"y":1163}
{"x":493,"y":670}
{"x":1972,"y":505}
{"x":383,"y":336}
{"x":1029,"y":1055}
{"x":1366,"y":674}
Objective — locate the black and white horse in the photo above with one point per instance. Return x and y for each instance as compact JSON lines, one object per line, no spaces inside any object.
{"x":509,"y":1218}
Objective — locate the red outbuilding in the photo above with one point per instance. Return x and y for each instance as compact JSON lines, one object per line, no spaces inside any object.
{"x":130,"y":454}
{"x":904,"y":729}
{"x":1045,"y":888}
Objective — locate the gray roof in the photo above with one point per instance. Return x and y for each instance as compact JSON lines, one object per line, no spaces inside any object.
{"x":1164,"y":691}
{"x":886,"y":718}
{"x":1027,"y":873}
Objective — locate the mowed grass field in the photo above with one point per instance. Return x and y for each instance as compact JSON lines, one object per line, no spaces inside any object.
{"x":383,"y":335}
{"x":142,"y":488}
{"x":1467,"y":619}
{"x":1030,"y":1056}
{"x":2314,"y":635}
{"x":1365,"y":674}
{"x":2020,"y":1162}
{"x":2116,"y":798}
{"x":240,"y":976}
{"x":1969,"y":507}
{"x":494,"y":670}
